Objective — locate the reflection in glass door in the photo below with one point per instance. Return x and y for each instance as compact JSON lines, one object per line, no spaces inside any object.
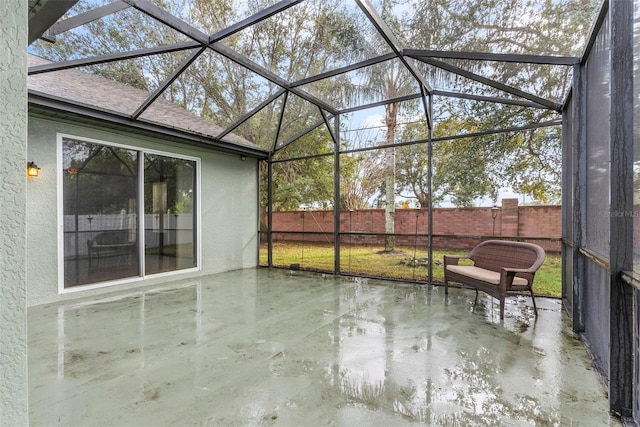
{"x":100,"y":185}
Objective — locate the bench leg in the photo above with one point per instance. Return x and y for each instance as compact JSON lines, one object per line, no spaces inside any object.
{"x":475,"y":301}
{"x":501,"y":308}
{"x":535,"y":309}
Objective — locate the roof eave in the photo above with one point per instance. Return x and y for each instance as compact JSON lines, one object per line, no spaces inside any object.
{"x":39,"y":101}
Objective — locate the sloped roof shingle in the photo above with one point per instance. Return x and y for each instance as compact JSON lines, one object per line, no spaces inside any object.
{"x":97,"y":92}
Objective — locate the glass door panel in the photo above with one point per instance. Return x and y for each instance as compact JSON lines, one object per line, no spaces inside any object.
{"x":169,"y":235}
{"x":100,"y":186}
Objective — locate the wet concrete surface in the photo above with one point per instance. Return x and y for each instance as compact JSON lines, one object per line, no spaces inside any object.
{"x":278,"y":348}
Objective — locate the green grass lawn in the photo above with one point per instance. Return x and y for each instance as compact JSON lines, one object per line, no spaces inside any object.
{"x":372,"y":261}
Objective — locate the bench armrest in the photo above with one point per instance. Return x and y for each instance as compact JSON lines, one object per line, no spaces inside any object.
{"x":508,"y":274}
{"x":453,"y":259}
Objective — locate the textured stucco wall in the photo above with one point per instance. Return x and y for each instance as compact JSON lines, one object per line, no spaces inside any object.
{"x":13,"y":124}
{"x":228,"y":201}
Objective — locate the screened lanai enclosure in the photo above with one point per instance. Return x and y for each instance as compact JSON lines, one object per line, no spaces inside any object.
{"x":350,"y":107}
{"x":353,"y":106}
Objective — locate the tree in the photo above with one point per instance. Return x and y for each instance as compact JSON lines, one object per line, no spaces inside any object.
{"x":462,"y":168}
{"x":390,"y":81}
{"x":468,"y":169}
{"x":360,"y":176}
{"x":528,"y":161}
{"x":393,"y":84}
{"x":304,"y":182}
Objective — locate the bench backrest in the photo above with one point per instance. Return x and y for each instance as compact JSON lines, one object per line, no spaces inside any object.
{"x":496,"y":254}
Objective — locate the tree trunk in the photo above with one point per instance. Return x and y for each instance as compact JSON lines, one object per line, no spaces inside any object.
{"x":391,"y":118}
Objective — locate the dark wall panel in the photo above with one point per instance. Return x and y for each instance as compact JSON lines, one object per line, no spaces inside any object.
{"x":595,"y":288}
{"x":598,"y":68}
{"x":596,"y":319}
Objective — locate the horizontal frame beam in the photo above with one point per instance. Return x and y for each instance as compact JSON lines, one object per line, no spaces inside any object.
{"x":346,"y":69}
{"x":497,"y":100}
{"x":381,"y":103}
{"x":496,"y":57}
{"x":550,"y":123}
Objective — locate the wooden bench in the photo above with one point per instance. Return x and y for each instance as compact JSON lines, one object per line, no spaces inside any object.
{"x":500,"y":268}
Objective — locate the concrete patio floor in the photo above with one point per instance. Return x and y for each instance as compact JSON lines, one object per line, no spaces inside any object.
{"x":272,"y":347}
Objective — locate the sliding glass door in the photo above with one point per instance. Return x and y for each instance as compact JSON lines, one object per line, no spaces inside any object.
{"x":169,"y":235}
{"x":104,"y":190}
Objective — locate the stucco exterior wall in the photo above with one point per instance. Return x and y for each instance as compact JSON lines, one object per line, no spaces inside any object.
{"x":228,"y":200}
{"x":13,"y":122}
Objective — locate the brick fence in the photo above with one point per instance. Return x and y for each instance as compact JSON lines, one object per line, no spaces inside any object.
{"x":453,"y":228}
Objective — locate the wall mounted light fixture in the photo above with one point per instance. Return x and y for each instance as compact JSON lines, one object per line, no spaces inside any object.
{"x":32,"y":169}
{"x":494,"y":211}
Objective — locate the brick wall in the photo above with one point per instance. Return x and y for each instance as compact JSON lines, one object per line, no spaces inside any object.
{"x":453,"y":228}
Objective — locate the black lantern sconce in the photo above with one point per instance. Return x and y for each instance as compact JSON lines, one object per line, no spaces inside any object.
{"x":32,"y":169}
